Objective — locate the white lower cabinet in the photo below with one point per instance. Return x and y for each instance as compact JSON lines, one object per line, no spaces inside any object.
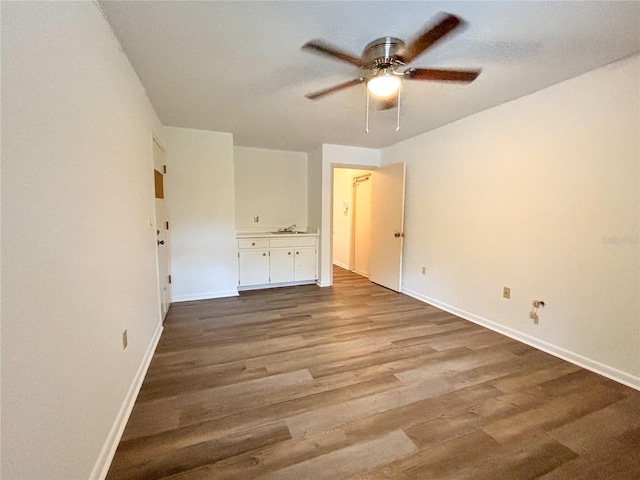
{"x":286,"y":260}
{"x":254,"y":267}
{"x":306,"y":263}
{"x":281,"y":265}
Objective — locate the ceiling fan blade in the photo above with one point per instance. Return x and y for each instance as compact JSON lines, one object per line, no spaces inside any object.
{"x":430,"y":35}
{"x":318,"y":46}
{"x":335,"y":88}
{"x":441,"y":75}
{"x":388,"y":103}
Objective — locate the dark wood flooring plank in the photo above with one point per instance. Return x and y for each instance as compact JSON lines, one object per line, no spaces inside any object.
{"x":607,"y":462}
{"x":523,"y":461}
{"x":281,"y":455}
{"x":343,"y":463}
{"x":157,"y":461}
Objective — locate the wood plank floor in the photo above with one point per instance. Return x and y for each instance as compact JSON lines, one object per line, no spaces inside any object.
{"x":358,"y":382}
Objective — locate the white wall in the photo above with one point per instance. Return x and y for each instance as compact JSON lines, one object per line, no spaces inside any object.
{"x":541,"y":195}
{"x":336,"y":156}
{"x":314,"y":188}
{"x":200,"y":192}
{"x":78,"y":240}
{"x":343,"y":192}
{"x":271,"y":184}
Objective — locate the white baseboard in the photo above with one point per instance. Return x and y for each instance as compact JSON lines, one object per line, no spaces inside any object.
{"x":204,"y":296}
{"x":276,"y":285}
{"x":366,"y":275}
{"x":101,"y":467}
{"x":575,"y":358}
{"x":341,"y":265}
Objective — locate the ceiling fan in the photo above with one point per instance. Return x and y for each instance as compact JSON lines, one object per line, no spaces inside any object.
{"x":383,"y":58}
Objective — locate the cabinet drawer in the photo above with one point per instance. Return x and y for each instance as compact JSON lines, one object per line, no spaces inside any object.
{"x":293,"y":242}
{"x":253,"y":243}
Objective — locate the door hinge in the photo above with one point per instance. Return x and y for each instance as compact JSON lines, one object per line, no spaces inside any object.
{"x":164,"y":169}
{"x":167,"y":224}
{"x":169,"y":278}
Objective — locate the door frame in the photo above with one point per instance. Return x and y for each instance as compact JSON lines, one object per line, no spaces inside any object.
{"x":334,"y":166}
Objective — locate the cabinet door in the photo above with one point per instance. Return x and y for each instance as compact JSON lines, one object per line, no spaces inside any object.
{"x":282,"y":265}
{"x":306,"y":263}
{"x":254,"y":267}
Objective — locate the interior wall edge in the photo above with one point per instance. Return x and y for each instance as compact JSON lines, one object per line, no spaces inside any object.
{"x":612,"y":373}
{"x":101,"y":467}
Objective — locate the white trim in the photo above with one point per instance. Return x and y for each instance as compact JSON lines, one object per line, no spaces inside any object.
{"x":101,"y":467}
{"x":341,"y":265}
{"x":575,"y":358}
{"x":365,"y":275}
{"x":204,"y":296}
{"x":326,"y":283}
{"x":155,"y":139}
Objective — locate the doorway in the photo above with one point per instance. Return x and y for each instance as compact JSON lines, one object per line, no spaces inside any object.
{"x":162,"y":230}
{"x":351,"y":219}
{"x":379,"y":258}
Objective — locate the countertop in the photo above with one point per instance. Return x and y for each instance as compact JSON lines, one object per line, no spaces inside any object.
{"x":274,"y":235}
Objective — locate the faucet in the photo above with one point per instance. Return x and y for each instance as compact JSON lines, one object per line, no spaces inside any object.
{"x":288,"y":229}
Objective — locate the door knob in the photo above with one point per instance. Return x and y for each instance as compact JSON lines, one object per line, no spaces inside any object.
{"x":160,"y":242}
{"x":398,"y":235}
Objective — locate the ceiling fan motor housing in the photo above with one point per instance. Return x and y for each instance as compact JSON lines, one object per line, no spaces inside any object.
{"x":383,"y":53}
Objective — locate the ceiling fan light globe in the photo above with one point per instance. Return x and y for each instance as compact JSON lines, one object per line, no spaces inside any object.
{"x":384,"y":85}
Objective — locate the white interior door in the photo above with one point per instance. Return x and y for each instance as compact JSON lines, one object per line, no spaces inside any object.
{"x":162,"y":231}
{"x":361,"y":236}
{"x":387,"y":224}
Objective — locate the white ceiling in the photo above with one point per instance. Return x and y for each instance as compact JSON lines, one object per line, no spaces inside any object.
{"x":237,"y":66}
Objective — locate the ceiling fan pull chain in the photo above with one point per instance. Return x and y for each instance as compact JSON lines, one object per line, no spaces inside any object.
{"x":398,"y":117}
{"x":366,"y":122}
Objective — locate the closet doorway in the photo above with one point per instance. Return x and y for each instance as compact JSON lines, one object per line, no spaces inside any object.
{"x":352,"y":219}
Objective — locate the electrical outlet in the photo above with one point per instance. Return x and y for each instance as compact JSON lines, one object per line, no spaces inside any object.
{"x":424,"y":270}
{"x":125,"y":340}
{"x":506,"y":292}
